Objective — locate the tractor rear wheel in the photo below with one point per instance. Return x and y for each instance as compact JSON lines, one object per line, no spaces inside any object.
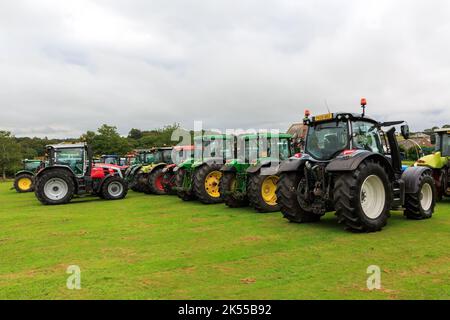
{"x":227,"y":186}
{"x":55,"y":187}
{"x":287,"y":199}
{"x":114,"y":188}
{"x":155,"y":181}
{"x":184,"y":195}
{"x":261,"y":192}
{"x":420,"y":205}
{"x":206,"y":183}
{"x":24,"y":182}
{"x":363,"y":198}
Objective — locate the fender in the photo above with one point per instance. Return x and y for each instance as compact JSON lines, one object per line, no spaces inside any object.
{"x":270,"y":167}
{"x":24,"y":172}
{"x":149,"y":169}
{"x":135,"y":170}
{"x":169,"y":168}
{"x":411,"y":176}
{"x":292,"y":164}
{"x":344,"y":163}
{"x":228,"y":168}
{"x":208,"y":161}
{"x":54,"y":167}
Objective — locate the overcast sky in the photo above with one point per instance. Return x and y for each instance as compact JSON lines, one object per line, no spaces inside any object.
{"x":69,"y":66}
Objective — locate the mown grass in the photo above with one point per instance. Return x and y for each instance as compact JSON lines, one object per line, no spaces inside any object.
{"x":150,"y":247}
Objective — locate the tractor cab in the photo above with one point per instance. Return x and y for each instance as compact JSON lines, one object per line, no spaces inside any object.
{"x":76,"y":157}
{"x":441,"y":139}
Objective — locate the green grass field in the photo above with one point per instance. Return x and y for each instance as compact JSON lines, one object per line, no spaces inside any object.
{"x":150,"y":247}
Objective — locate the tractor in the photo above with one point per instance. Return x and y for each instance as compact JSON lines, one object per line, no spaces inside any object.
{"x":143,"y":157}
{"x":439,"y":162}
{"x":24,"y":179}
{"x":351,"y":165}
{"x":179,"y":155}
{"x":70,"y":171}
{"x":252,"y":177}
{"x":199,"y":177}
{"x":150,"y":177}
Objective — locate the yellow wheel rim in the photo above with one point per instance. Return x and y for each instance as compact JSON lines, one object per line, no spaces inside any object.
{"x":212,"y":183}
{"x":268,"y":190}
{"x":24,"y":184}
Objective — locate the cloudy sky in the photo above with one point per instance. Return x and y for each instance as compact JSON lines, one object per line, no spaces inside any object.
{"x":69,"y":66}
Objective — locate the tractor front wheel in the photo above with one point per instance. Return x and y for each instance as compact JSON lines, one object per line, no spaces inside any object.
{"x":227,"y":187}
{"x":55,"y":187}
{"x":420,"y":205}
{"x":288,"y":201}
{"x":206,"y":183}
{"x":261,"y":192}
{"x":24,"y":183}
{"x":155,"y":181}
{"x":114,"y":188}
{"x":363,"y":198}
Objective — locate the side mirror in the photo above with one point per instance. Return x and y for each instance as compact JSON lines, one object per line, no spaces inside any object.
{"x":433,"y":138}
{"x":405,"y":131}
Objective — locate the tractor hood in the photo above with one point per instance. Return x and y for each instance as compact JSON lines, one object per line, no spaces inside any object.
{"x":435,"y":161}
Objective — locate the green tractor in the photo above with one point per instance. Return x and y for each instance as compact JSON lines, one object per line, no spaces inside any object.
{"x":439,"y":162}
{"x":252,"y":177}
{"x":199,"y":177}
{"x":143,"y":157}
{"x":353,"y":167}
{"x":24,"y":179}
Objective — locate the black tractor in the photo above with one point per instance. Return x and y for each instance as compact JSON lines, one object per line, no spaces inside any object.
{"x":70,"y":171}
{"x":352,"y":166}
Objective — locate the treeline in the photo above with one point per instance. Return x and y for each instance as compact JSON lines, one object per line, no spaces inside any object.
{"x":106,"y":140}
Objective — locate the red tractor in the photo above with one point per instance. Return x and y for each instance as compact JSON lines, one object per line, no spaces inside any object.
{"x":70,"y":171}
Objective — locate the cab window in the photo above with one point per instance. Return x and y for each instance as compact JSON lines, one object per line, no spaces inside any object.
{"x":366,"y":137}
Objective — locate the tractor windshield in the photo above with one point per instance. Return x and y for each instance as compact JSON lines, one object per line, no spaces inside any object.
{"x":325,"y":140}
{"x":443,"y":144}
{"x":163,"y":156}
{"x":71,"y":157}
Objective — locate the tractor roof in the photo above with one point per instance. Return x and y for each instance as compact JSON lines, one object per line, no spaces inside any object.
{"x":329,"y":117}
{"x":81,"y":145}
{"x":442,"y":130}
{"x":163,"y":148}
{"x":265,"y":135}
{"x":208,"y":137}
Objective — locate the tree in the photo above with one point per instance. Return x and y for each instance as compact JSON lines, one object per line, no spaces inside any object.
{"x":135,"y":134}
{"x":106,"y":141}
{"x":10,"y":154}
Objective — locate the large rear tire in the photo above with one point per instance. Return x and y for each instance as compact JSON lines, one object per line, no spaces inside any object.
{"x":169,"y":182}
{"x":420,"y":205}
{"x":261,"y":192}
{"x":155,"y":181}
{"x":185,"y":195}
{"x":114,"y":188}
{"x":363,"y":198}
{"x":226,"y":187}
{"x":24,"y":182}
{"x":287,"y":199}
{"x":55,"y":187}
{"x":206,"y":183}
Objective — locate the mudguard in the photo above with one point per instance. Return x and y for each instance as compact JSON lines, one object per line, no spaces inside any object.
{"x":207,"y":161}
{"x":228,"y":168}
{"x":269,"y":167}
{"x":23,"y":172}
{"x":292,"y":164}
{"x":411,"y":177}
{"x":169,"y":168}
{"x":149,"y":169}
{"x":346,"y":163}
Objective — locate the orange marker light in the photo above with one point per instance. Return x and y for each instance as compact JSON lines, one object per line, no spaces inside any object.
{"x":363,"y":102}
